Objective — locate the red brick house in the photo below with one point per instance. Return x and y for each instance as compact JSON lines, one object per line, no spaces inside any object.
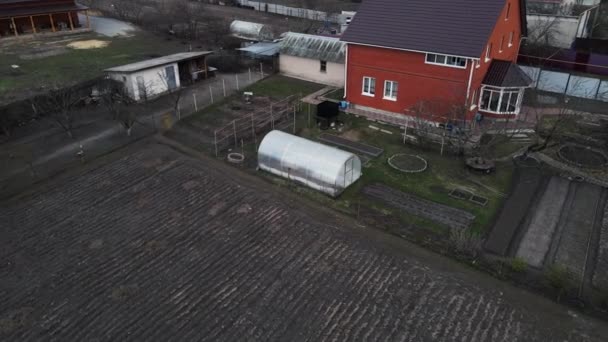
{"x":21,"y":17}
{"x":455,"y":58}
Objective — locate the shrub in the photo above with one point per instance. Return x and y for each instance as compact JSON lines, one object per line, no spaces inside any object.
{"x":518,"y":265}
{"x":465,"y":242}
{"x":560,"y":279}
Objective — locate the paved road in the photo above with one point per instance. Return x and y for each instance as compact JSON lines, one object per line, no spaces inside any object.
{"x":108,"y":26}
{"x":154,"y":245}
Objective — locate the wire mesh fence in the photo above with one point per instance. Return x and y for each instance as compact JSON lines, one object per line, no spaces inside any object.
{"x":280,"y":115}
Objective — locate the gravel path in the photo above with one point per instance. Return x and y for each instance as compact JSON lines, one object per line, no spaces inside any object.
{"x":537,"y":239}
{"x":158,"y":246}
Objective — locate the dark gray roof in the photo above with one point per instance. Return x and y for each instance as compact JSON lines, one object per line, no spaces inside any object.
{"x":456,"y":27}
{"x":34,"y":10}
{"x":14,"y":1}
{"x":314,"y":47}
{"x":506,"y":74}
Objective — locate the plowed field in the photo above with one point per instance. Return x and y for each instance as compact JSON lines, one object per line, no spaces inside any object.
{"x":158,"y":246}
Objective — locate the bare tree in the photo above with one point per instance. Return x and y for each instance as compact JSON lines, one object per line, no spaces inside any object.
{"x":59,"y":104}
{"x":175,"y":93}
{"x":117,"y":100}
{"x":130,"y":10}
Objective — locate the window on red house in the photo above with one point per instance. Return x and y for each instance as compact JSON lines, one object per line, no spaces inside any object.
{"x":390,"y":90}
{"x":369,"y":86}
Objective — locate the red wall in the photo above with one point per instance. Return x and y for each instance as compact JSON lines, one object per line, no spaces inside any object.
{"x":503,"y":29}
{"x":417,"y":80}
{"x":442,"y":86}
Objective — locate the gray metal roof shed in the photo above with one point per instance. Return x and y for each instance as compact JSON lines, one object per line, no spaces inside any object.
{"x":314,"y":47}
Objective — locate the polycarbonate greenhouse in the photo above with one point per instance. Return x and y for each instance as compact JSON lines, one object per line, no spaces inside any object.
{"x":318,"y":166}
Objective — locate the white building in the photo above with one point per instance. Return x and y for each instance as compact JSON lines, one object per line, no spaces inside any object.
{"x":313,"y":58}
{"x":151,"y":78}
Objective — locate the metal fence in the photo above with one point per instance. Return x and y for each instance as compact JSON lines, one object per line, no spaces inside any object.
{"x":280,"y":115}
{"x":290,"y":11}
{"x":583,"y":86}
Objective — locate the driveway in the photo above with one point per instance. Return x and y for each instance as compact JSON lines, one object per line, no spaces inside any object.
{"x":108,"y":26}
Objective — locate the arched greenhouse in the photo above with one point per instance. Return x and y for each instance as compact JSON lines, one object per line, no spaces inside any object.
{"x":251,"y":31}
{"x":318,"y":166}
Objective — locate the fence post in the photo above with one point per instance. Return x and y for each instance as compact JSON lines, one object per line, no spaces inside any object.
{"x":253,"y":127}
{"x":262,"y":69}
{"x":195,"y":104}
{"x":215,"y":142}
{"x":211,"y":93}
{"x":271,"y":117}
{"x":237,"y":81}
{"x":249,"y":74}
{"x":224,"y":86}
{"x":236,"y":144}
{"x":308,"y":115}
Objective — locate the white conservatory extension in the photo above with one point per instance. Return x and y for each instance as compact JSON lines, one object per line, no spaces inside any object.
{"x":315,"y":165}
{"x":502,"y":90}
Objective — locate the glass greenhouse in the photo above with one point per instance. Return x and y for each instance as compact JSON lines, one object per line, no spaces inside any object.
{"x":318,"y":166}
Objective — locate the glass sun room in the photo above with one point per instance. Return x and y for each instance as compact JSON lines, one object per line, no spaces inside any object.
{"x":502,"y":89}
{"x":498,"y":100}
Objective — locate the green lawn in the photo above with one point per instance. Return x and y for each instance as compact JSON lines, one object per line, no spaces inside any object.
{"x":444,"y":173}
{"x":73,"y":65}
{"x":279,"y":86}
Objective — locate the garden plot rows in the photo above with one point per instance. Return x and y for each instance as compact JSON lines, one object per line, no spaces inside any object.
{"x":577,"y":227}
{"x":562,"y":226}
{"x":540,"y":231}
{"x":448,"y":216}
{"x":600,"y":277}
{"x":157,"y":246}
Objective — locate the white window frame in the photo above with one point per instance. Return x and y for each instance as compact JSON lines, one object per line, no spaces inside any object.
{"x":502,"y":94}
{"x":369,"y":93}
{"x":511,"y":39}
{"x":488,"y":50}
{"x":445,"y":60}
{"x":393,"y":84}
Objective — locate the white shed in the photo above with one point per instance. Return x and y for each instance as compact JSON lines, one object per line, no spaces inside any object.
{"x":318,"y":166}
{"x":153,"y":77}
{"x":313,"y":58}
{"x":251,"y":31}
